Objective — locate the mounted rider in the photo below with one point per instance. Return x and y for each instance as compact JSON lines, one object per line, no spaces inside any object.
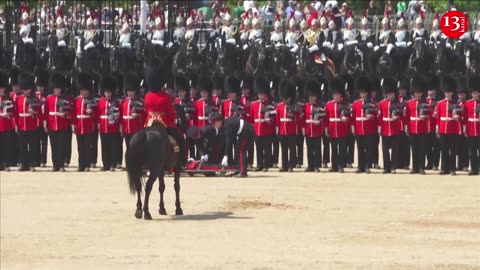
{"x":292,"y":35}
{"x":92,"y":36}
{"x":216,"y":26}
{"x":190,"y":27}
{"x":276,"y":37}
{"x":158,"y":35}
{"x":63,"y":35}
{"x":436,"y":34}
{"x":419,"y":30}
{"x":386,"y":38}
{"x":179,"y":32}
{"x":228,"y":29}
{"x":402,"y":37}
{"x":25,"y":26}
{"x":245,"y":29}
{"x":124,"y":40}
{"x":256,"y":34}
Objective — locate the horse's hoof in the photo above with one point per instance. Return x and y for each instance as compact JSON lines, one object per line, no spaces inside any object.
{"x":138,"y":213}
{"x":162,"y":211}
{"x":179,"y":212}
{"x":147,"y":216}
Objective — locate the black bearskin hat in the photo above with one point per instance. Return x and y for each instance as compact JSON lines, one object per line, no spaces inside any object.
{"x":182,"y":83}
{"x":41,"y":76}
{"x":403,"y":83}
{"x":26,"y":81}
{"x":287,"y":89}
{"x":417,"y":84}
{"x":449,"y":84}
{"x":218,"y":83}
{"x":462,"y":85}
{"x":433,"y":83}
{"x":246,"y":82}
{"x":337,"y":86}
{"x":108,"y":82}
{"x":389,"y":85}
{"x":84,"y":81}
{"x":206,"y":84}
{"x":57,"y":80}
{"x":363,"y":84}
{"x":3,"y":79}
{"x":261,"y":86}
{"x":349,"y":83}
{"x":154,"y":75}
{"x":312,"y":88}
{"x":474,"y":83}
{"x":232,"y":85}
{"x":131,"y":82}
{"x":13,"y":74}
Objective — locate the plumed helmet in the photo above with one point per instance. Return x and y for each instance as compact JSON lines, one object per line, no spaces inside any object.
{"x":303,"y":23}
{"x":125,"y":26}
{"x":312,"y":88}
{"x":474,"y":83}
{"x":3,"y":79}
{"x":154,"y":75}
{"x":158,"y":21}
{"x":287,"y":89}
{"x":41,"y":76}
{"x":337,"y":85}
{"x":419,"y":19}
{"x":363,"y":84}
{"x":89,"y":21}
{"x":389,"y":85}
{"x":401,"y":21}
{"x":232,"y":85}
{"x":331,"y":22}
{"x":179,"y":19}
{"x":417,"y":84}
{"x":349,"y":20}
{"x":278,"y":22}
{"x":364,"y":20}
{"x":255,"y":20}
{"x":261,"y":86}
{"x":448,"y":84}
{"x":292,"y":22}
{"x":108,"y":83}
{"x":26,"y":81}
{"x":386,"y":18}
{"x":205,"y":83}
{"x":59,"y":20}
{"x":191,"y":19}
{"x":436,"y":21}
{"x":57,"y":80}
{"x":182,"y":83}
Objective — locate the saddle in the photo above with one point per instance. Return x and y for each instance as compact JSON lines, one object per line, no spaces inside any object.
{"x":158,"y":119}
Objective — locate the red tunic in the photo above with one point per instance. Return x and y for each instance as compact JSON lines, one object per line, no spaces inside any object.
{"x":7,"y":114}
{"x":263,"y":123}
{"x":201,"y":112}
{"x":108,"y":118}
{"x":227,"y":108}
{"x":26,"y":120}
{"x":338,"y":126}
{"x":365,"y":122}
{"x":160,"y":103}
{"x":132,"y":121}
{"x":416,"y":121}
{"x":84,"y":120}
{"x":286,"y":125}
{"x":191,"y":117}
{"x":388,"y":122}
{"x":245,"y":101}
{"x":446,"y":122}
{"x":313,"y":127}
{"x":471,"y":118}
{"x":57,"y":118}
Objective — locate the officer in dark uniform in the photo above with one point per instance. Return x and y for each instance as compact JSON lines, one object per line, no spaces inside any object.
{"x":41,"y":83}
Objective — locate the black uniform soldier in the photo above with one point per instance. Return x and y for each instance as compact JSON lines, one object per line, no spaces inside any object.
{"x":41,"y":82}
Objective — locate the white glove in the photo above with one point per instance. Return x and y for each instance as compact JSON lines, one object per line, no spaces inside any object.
{"x":369,"y":45}
{"x":245,"y":46}
{"x":294,"y":49}
{"x":376,"y":48}
{"x":62,"y":43}
{"x":204,"y":158}
{"x":88,"y":46}
{"x":231,"y":41}
{"x":400,"y":44}
{"x":340,"y":46}
{"x":313,"y":48}
{"x":327,"y":44}
{"x":409,"y":43}
{"x":449,"y":45}
{"x":389,"y":48}
{"x":190,"y":160}
{"x":170,"y":44}
{"x":323,"y":58}
{"x":225,"y":161}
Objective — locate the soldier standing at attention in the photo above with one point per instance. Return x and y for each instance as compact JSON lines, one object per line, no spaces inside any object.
{"x":7,"y":124}
{"x":471,"y":123}
{"x":41,"y":83}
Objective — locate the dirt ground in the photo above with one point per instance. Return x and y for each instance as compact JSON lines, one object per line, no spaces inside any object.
{"x":269,"y":221}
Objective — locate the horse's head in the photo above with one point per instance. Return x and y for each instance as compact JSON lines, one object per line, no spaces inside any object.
{"x":353,"y":61}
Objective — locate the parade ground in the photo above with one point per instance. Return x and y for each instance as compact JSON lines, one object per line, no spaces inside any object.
{"x":268,"y":221}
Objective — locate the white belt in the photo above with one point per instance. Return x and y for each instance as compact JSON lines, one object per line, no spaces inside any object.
{"x":362,"y":118}
{"x":202,"y":118}
{"x":242,"y":122}
{"x":126,"y":45}
{"x":335,"y":119}
{"x":417,"y":119}
{"x":285,"y":120}
{"x":104,"y":117}
{"x":388,"y":119}
{"x":473,"y":119}
{"x":24,"y":114}
{"x":129,"y":117}
{"x":311,"y":121}
{"x":56,"y":113}
{"x":262,"y":120}
{"x":447,"y":118}
{"x":83,"y":116}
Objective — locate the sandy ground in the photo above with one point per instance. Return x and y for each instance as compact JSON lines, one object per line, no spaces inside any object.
{"x":268,"y":221}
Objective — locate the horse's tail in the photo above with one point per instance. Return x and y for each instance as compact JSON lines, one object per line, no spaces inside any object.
{"x":133,"y":158}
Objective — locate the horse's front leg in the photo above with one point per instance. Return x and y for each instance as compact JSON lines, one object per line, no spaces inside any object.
{"x":139,"y":212}
{"x":178,"y":210}
{"x":148,"y":189}
{"x":161,"y":188}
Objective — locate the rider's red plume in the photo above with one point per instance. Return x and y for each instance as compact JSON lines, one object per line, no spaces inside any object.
{"x":364,"y":13}
{"x":192,"y":14}
{"x":421,"y":14}
{"x":402,"y":15}
{"x":25,"y":8}
{"x":314,"y":14}
{"x":350,"y":14}
{"x":277,"y":17}
{"x":437,"y":16}
{"x":60,"y":12}
{"x":387,"y":13}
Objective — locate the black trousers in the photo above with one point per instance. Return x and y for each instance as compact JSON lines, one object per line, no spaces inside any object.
{"x":84,"y":148}
{"x":433,"y":151}
{"x":474,"y":147}
{"x":127,"y":138}
{"x":264,"y":151}
{"x":289,"y":153}
{"x":28,"y":141}
{"x":326,"y":149}
{"x":275,"y":148}
{"x":462,"y":153}
{"x":191,"y":147}
{"x":404,"y":151}
{"x":58,"y":142}
{"x":15,"y":150}
{"x":339,"y":152}
{"x":42,"y":147}
{"x":376,"y":144}
{"x":390,"y":160}
{"x":314,"y":152}
{"x":418,"y":143}
{"x":242,"y":146}
{"x":448,"y":148}
{"x":110,"y":148}
{"x":94,"y":147}
{"x":350,"y":156}
{"x":251,"y":152}
{"x":120,"y":152}
{"x":68,"y":146}
{"x":365,"y":145}
{"x":300,"y":144}
{"x":6,"y":148}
